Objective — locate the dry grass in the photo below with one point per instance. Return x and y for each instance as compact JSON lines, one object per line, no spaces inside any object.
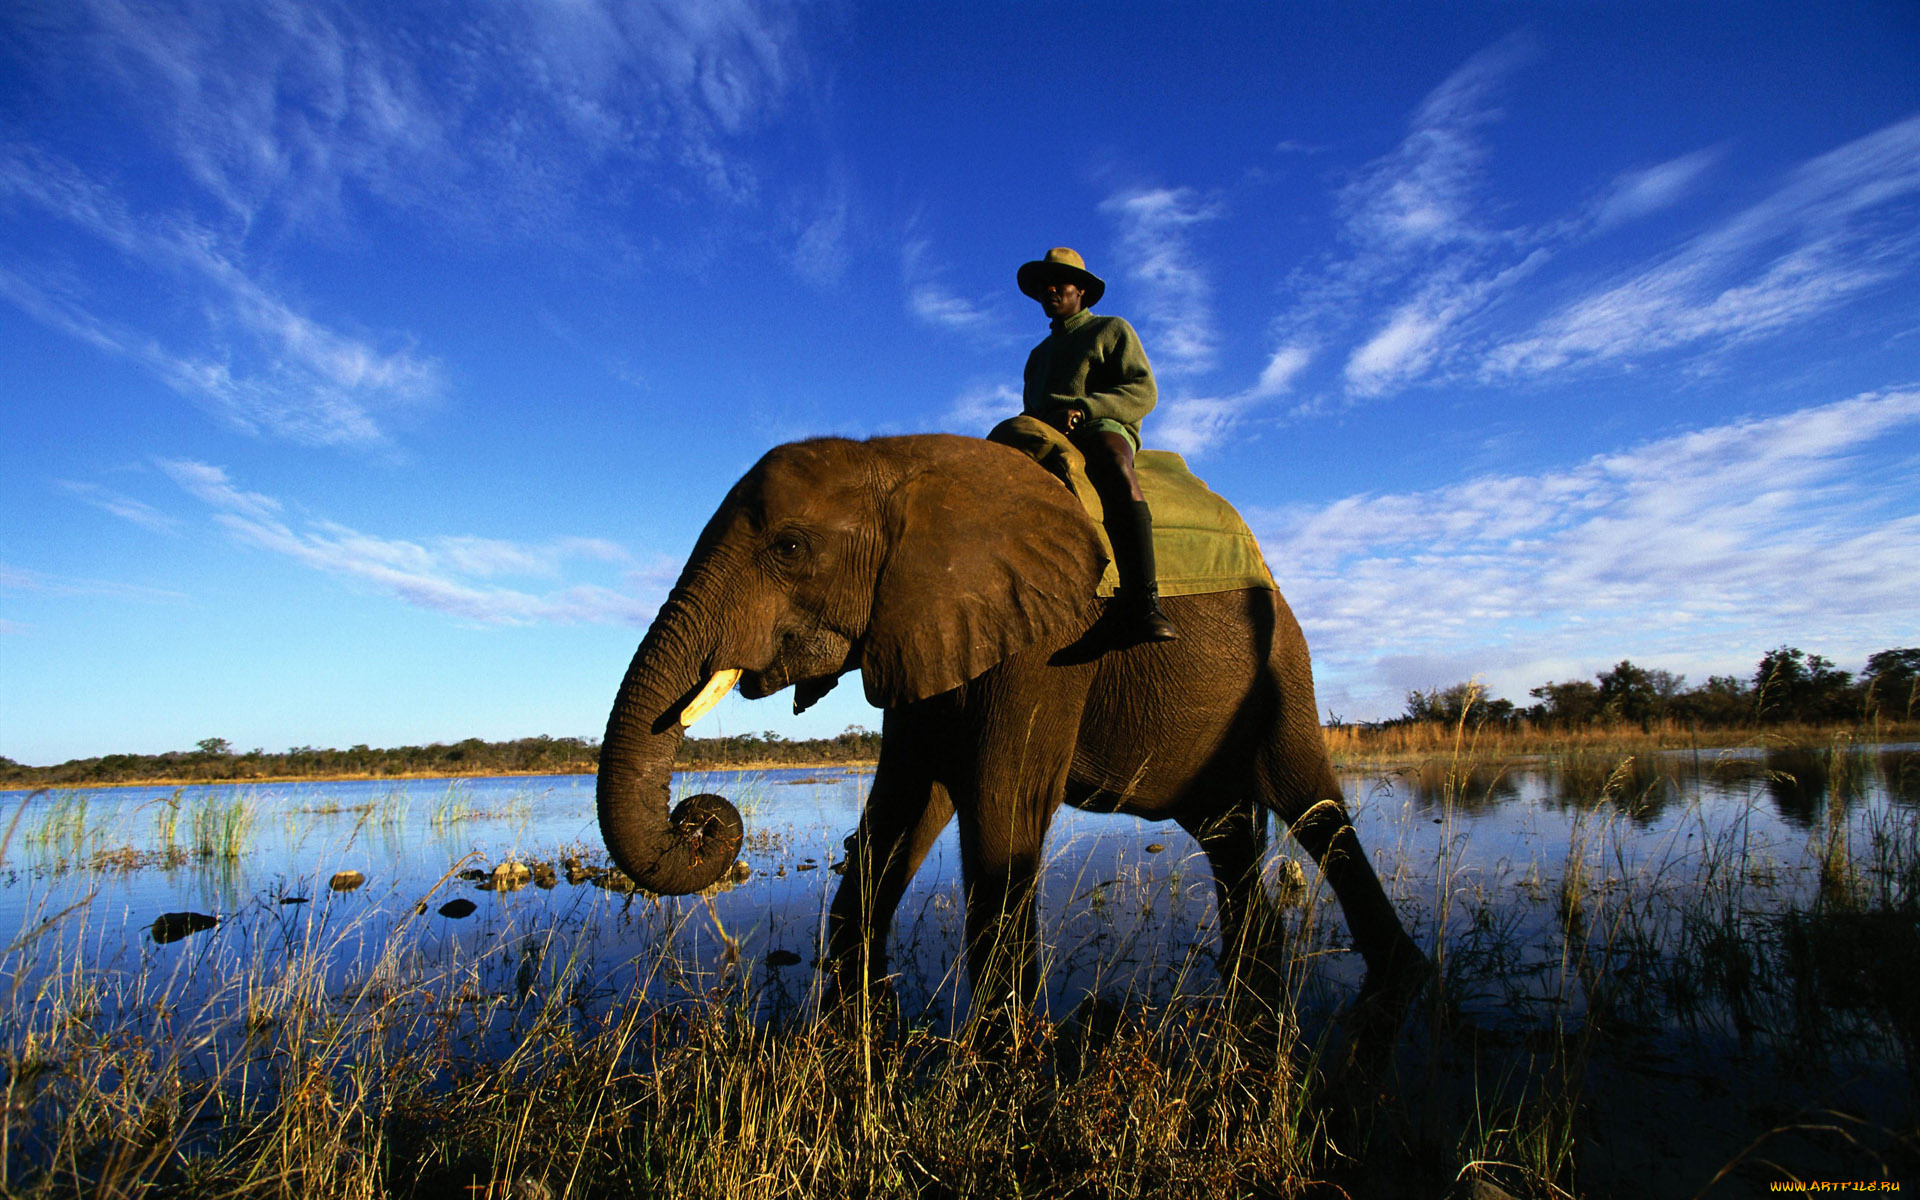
{"x":1374,"y":745}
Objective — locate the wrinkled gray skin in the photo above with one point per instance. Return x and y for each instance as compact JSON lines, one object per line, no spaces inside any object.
{"x":958,"y":577}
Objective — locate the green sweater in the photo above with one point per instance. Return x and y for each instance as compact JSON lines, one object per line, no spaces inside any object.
{"x":1093,"y":363}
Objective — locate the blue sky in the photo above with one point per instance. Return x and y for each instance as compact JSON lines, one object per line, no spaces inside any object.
{"x":367,"y":370}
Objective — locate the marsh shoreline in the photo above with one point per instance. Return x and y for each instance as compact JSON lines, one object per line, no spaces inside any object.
{"x":1351,"y":747}
{"x":864,"y":766}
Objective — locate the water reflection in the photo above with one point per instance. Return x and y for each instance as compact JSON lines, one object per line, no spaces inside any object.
{"x":1900,"y":773}
{"x":1801,"y":783}
{"x":1438,"y":785}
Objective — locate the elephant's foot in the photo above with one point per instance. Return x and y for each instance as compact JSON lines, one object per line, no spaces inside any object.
{"x":1080,"y":1041}
{"x":1257,"y":1002}
{"x":1395,"y":980}
{"x":854,"y":996}
{"x":1398,"y":976}
{"x":1005,"y":1032}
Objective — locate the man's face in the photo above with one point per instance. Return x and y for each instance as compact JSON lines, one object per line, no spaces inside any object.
{"x":1060,"y":298}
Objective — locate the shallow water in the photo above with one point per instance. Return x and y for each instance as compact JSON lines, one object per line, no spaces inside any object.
{"x":1120,"y":919}
{"x":1672,"y":897}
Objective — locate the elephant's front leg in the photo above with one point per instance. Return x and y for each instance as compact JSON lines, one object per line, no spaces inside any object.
{"x":1016,"y":780}
{"x":1000,"y":849}
{"x":905,"y":813}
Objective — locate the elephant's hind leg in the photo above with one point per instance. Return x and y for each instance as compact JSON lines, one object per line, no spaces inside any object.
{"x":1309,"y":801}
{"x":1235,"y":841}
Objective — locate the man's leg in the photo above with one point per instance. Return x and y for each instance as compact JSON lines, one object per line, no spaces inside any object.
{"x":1129,"y":525}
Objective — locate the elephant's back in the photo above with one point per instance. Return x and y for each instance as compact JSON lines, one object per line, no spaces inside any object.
{"x":1166,"y":719}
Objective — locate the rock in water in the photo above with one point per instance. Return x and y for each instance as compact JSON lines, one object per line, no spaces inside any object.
{"x":171,"y":927}
{"x":782,"y":958}
{"x":457,"y":908}
{"x":346,"y":881}
{"x":511,"y":876}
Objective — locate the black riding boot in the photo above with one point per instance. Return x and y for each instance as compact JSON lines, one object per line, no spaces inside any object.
{"x":1134,"y":613}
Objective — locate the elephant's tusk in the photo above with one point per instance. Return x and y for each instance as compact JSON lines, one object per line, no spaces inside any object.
{"x":710,"y":695}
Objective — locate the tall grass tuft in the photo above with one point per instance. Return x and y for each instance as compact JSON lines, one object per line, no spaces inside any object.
{"x":166,"y":820}
{"x":453,"y":807}
{"x":65,"y":826}
{"x":222,"y":821}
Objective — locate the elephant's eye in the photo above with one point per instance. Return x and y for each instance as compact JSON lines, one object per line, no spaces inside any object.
{"x":788,"y":547}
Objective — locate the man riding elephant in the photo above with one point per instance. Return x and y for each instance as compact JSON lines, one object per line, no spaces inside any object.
{"x":1090,"y":379}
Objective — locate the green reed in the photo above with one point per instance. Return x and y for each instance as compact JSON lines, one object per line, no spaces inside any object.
{"x":67,"y":825}
{"x":221,"y":823}
{"x":452,"y":808}
{"x":166,"y":821}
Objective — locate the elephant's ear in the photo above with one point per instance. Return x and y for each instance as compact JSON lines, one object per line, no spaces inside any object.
{"x":987,"y":555}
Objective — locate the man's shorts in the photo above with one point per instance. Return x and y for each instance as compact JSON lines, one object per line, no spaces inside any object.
{"x":1108,"y":425}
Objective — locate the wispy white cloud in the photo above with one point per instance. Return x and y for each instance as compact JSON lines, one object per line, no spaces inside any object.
{"x":1172,"y":298}
{"x":1282,"y":369}
{"x":212,"y":485}
{"x":1429,"y":288}
{"x":1420,"y":245}
{"x":446,"y":574}
{"x":1193,"y":425}
{"x":487,"y":557}
{"x":937,"y":306}
{"x":19,"y":579}
{"x":259,"y":364}
{"x":279,"y":109}
{"x":820,"y":252}
{"x":933,"y":301}
{"x":1423,"y":194}
{"x":1695,"y":552}
{"x":1834,"y":229}
{"x":1637,"y":194}
{"x":1412,"y":340}
{"x":285,"y":121}
{"x":980,"y":408}
{"x":138,"y":512}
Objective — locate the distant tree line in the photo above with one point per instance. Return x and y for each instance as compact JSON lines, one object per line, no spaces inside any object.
{"x":214,"y":760}
{"x":1788,"y":686}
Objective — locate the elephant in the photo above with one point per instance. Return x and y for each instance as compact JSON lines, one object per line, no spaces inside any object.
{"x":958,"y":577}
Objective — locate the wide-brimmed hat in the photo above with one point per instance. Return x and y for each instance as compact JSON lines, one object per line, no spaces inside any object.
{"x":1061,"y":263}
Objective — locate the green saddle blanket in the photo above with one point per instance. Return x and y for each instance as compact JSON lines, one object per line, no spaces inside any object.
{"x":1199,"y":543}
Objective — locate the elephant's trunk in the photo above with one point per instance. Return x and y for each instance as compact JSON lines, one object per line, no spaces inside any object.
{"x":691,"y":847}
